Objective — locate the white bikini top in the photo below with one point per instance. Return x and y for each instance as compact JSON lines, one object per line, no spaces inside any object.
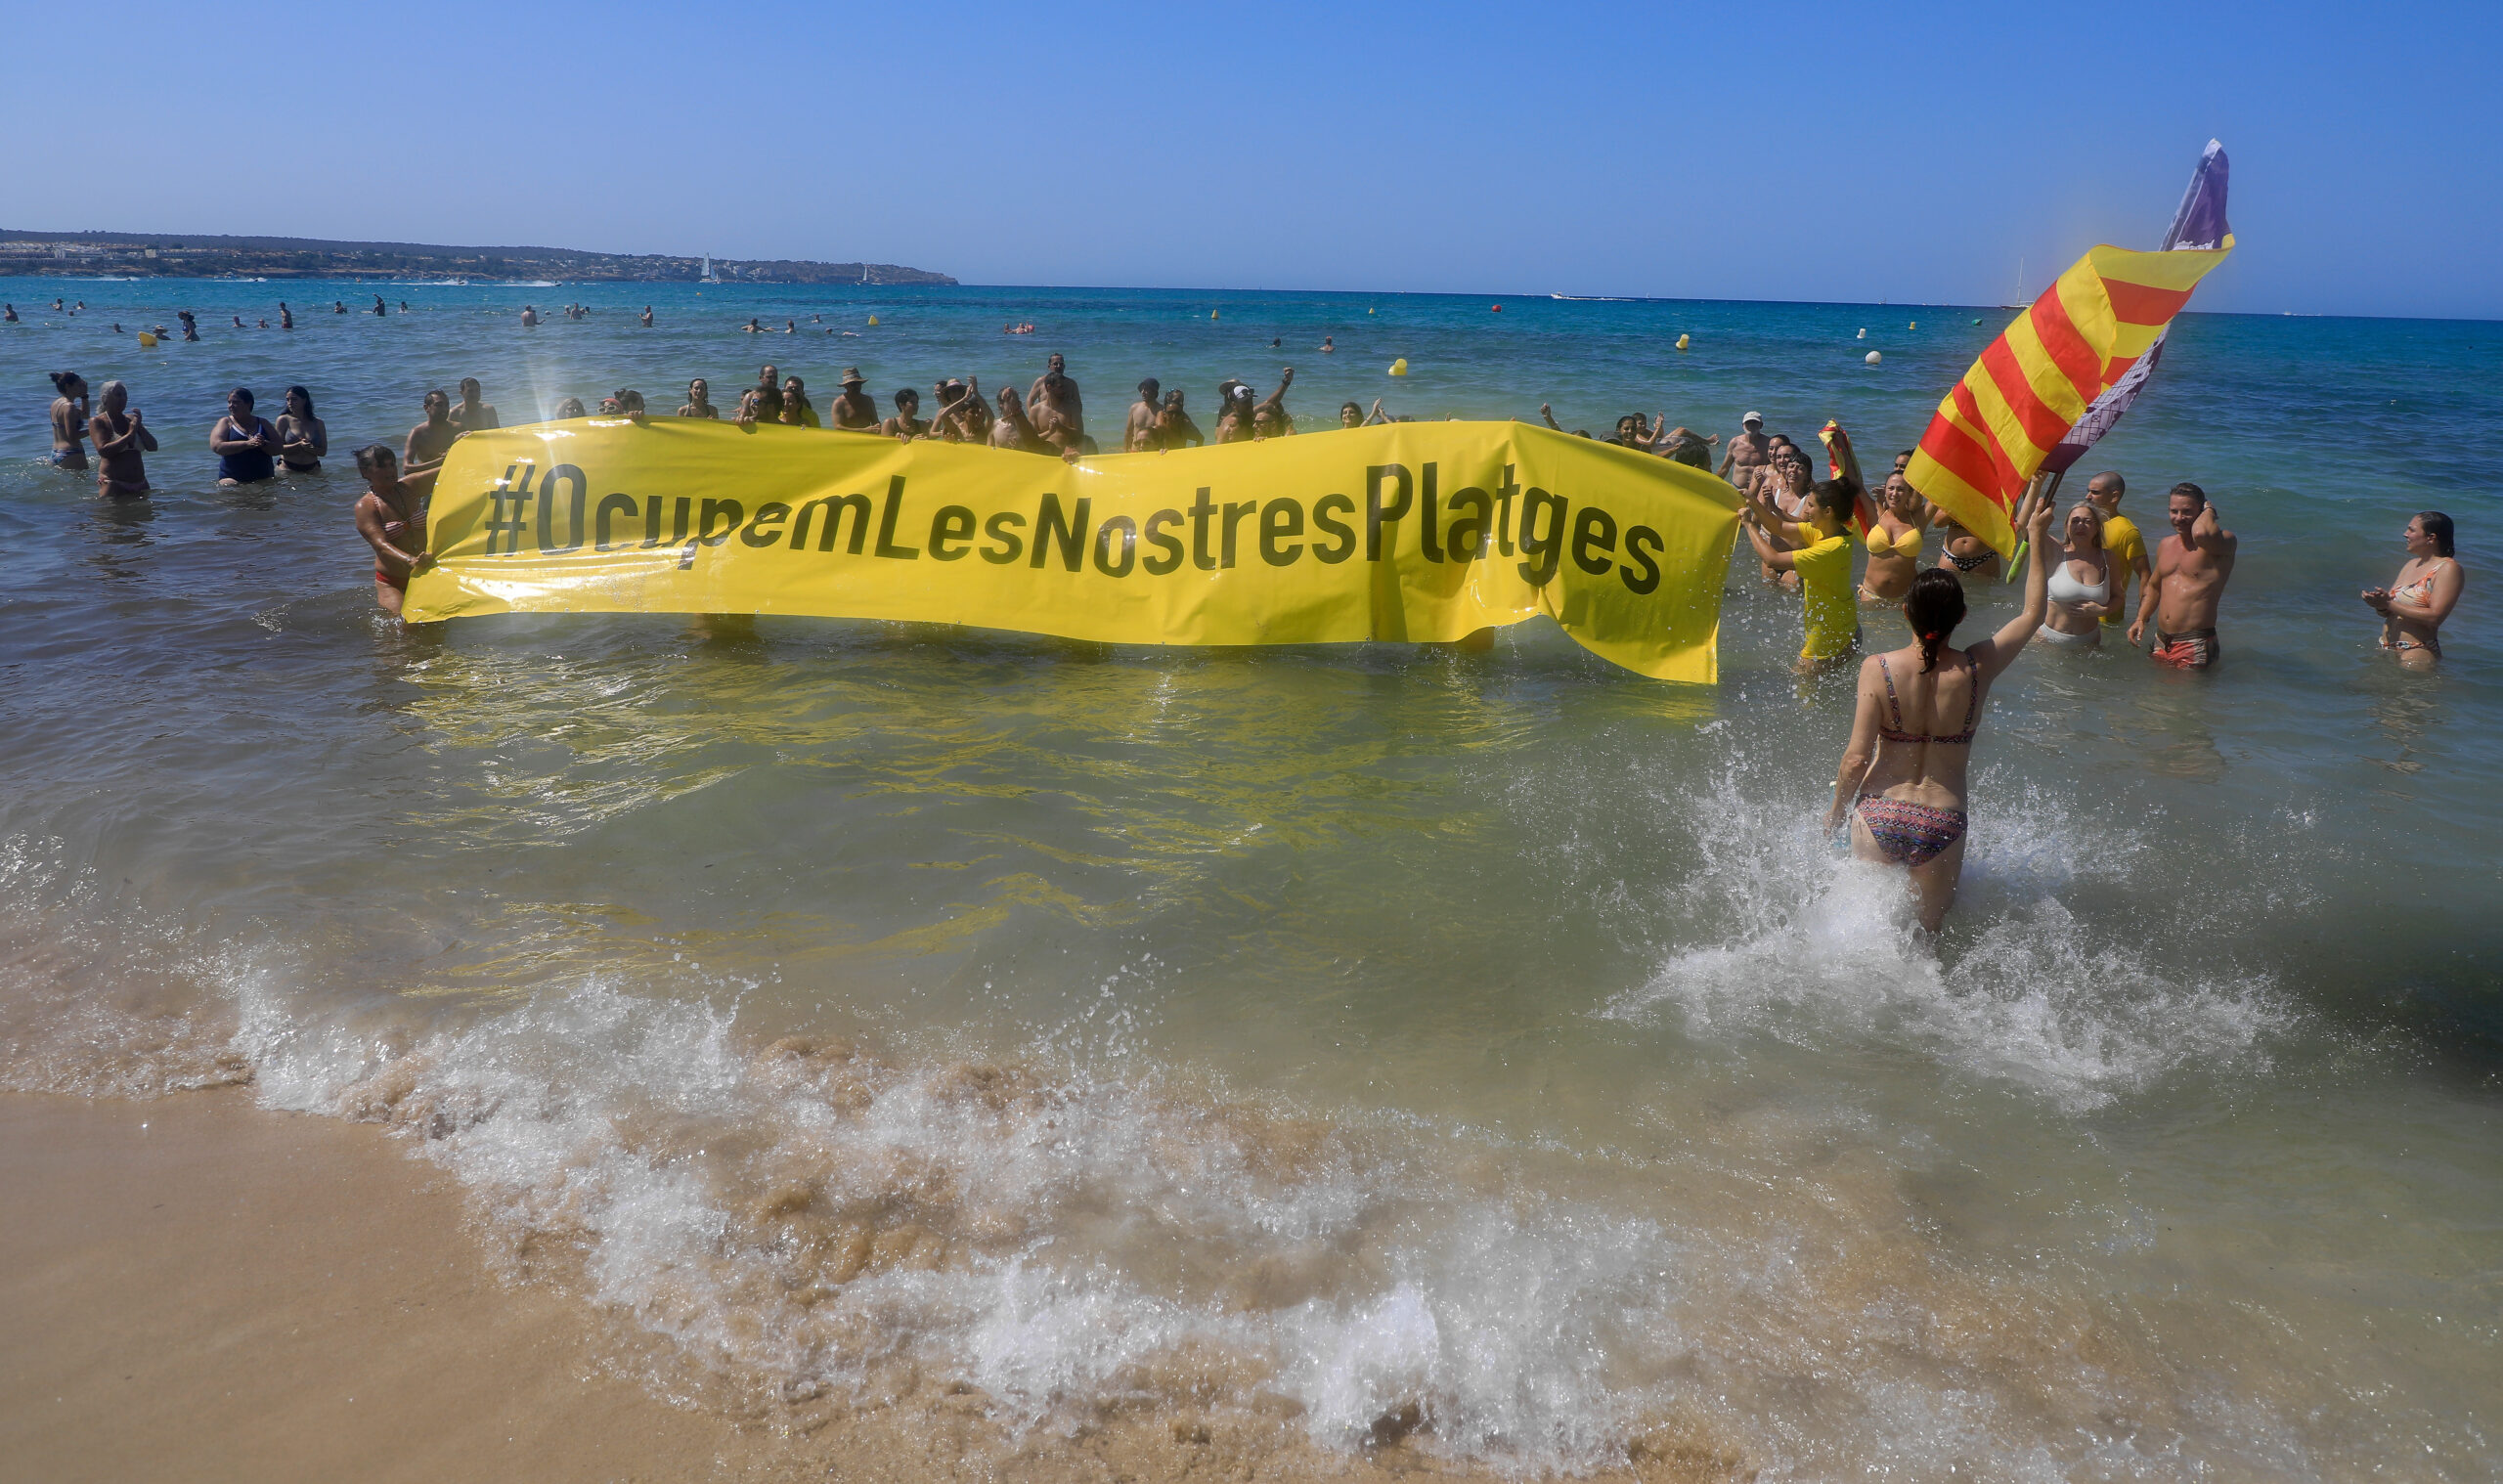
{"x":2068,"y":591}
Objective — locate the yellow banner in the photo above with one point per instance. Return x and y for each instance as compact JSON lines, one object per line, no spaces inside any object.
{"x":1419,"y":531}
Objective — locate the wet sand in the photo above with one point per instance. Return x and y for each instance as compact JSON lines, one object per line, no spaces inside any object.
{"x":196,"y":1288}
{"x":193,"y":1288}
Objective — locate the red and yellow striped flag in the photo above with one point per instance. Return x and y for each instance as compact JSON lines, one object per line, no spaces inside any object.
{"x":2036,"y":380}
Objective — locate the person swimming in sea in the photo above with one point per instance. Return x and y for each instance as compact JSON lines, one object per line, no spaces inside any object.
{"x":391,"y":517}
{"x":570,"y":407}
{"x":2426,"y":588}
{"x":530,"y":317}
{"x":699,"y":401}
{"x":121,"y":439}
{"x":244,"y":442}
{"x":1902,"y":791}
{"x":68,"y":421}
{"x":2082,"y":585}
{"x":1819,"y":551}
{"x":302,"y":438}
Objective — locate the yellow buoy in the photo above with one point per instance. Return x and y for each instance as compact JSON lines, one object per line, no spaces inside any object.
{"x":1916,"y":325}
{"x":1681,"y":342}
{"x":1399,"y":368}
{"x":873,"y":319}
{"x":147,"y":342}
{"x":1211,"y":314}
{"x":1368,"y":311}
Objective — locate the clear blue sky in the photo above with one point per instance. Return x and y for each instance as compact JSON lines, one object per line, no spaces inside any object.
{"x":1770,"y":152}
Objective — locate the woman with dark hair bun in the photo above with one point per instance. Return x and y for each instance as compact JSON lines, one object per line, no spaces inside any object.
{"x":2422,"y":594}
{"x":69,"y":420}
{"x":1902,"y":789}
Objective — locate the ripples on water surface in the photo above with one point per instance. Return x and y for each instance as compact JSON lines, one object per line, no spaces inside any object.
{"x":1350,"y":1040}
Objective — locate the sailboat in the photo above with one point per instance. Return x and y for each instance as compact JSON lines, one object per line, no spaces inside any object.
{"x":2022,"y":302}
{"x":706,"y":277}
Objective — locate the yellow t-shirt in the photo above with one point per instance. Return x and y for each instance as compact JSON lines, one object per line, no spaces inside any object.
{"x":2120,"y":538}
{"x":1825,"y":581}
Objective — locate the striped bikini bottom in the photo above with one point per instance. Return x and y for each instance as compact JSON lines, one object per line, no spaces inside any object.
{"x":1911,"y":834}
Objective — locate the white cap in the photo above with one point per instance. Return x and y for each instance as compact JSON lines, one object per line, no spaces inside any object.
{"x":1751,"y":417}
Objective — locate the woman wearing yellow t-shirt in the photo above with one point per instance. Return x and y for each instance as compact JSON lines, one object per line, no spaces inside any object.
{"x":1822,"y":556}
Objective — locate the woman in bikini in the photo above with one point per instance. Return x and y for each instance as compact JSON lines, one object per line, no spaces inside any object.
{"x":1902,"y":790}
{"x":69,"y":420}
{"x":302,"y":439}
{"x":1785,"y":483}
{"x":2079,"y":591}
{"x":699,"y":401}
{"x":391,"y":517}
{"x":1968,"y":555}
{"x":1894,"y":543}
{"x":2424,"y":593}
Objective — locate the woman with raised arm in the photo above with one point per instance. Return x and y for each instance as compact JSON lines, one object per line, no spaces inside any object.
{"x":2422,"y":594}
{"x":1902,"y":781}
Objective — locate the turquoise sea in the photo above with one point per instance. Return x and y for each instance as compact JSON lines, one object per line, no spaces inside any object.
{"x":1382,"y":1038}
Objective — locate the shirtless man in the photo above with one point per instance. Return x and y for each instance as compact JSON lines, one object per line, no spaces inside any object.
{"x":1269,"y":417}
{"x":120,"y":438}
{"x":1059,"y":414}
{"x":1175,"y":428}
{"x":699,"y":401}
{"x":1747,"y":454}
{"x":473,"y":415}
{"x":647,"y":317}
{"x":432,"y":439}
{"x":530,"y":317}
{"x":1139,"y":436}
{"x":854,"y":411}
{"x":379,"y":311}
{"x":285,"y":315}
{"x":963,"y":418}
{"x":907,"y":422}
{"x":1014,"y":431}
{"x":2191,"y":569}
{"x":769,"y":395}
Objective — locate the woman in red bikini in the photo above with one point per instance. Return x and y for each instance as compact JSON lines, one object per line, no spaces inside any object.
{"x":1902,"y":788}
{"x":391,"y":517}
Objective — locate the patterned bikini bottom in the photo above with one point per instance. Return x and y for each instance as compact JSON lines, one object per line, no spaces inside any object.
{"x":1911,"y":834}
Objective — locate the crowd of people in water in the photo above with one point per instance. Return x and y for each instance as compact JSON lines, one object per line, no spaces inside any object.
{"x":1900,"y":789}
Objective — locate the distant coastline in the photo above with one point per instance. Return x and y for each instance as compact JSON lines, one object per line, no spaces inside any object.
{"x":174,"y":255}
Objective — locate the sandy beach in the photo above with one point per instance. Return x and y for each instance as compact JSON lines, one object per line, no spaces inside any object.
{"x":202,"y":1290}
